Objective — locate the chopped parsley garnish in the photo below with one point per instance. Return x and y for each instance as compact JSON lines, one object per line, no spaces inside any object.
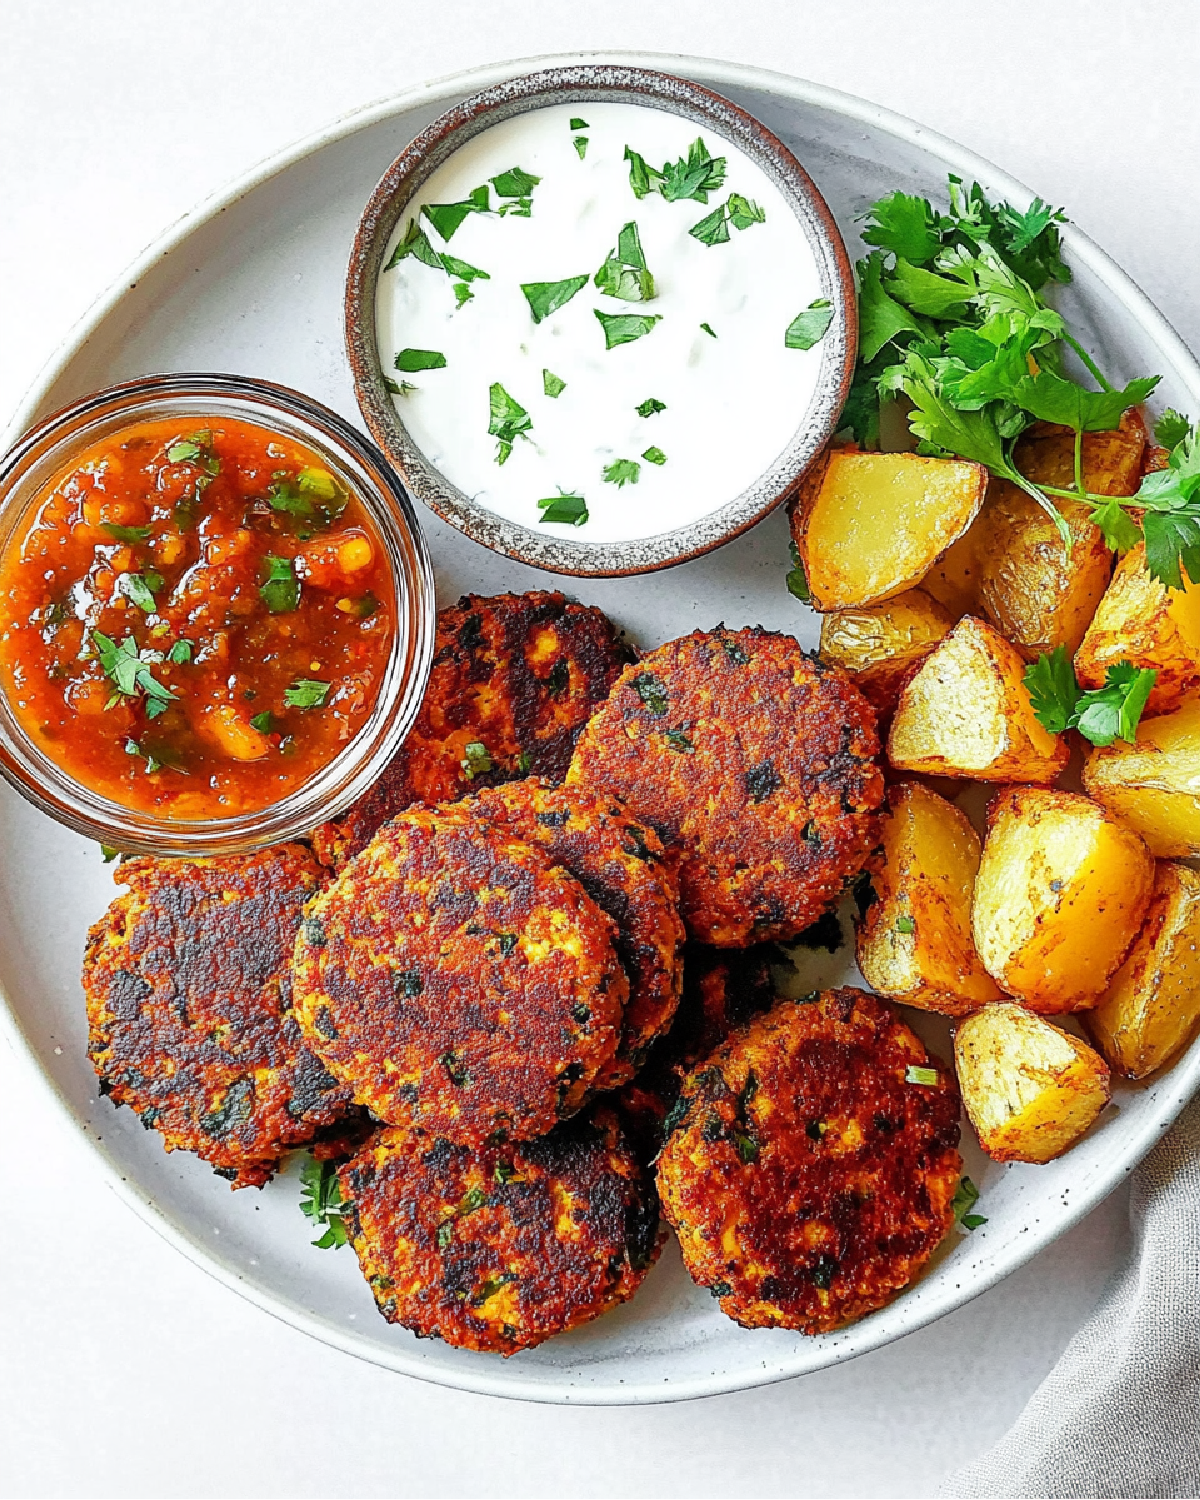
{"x":181,"y":652}
{"x":622,"y":471}
{"x":563,"y":509}
{"x":129,"y":670}
{"x":507,"y":420}
{"x":447,"y":217}
{"x":1171,"y":428}
{"x":580,"y":142}
{"x":317,"y":482}
{"x":546,"y":297}
{"x":1101,"y":715}
{"x":462,"y":293}
{"x":926,"y":1077}
{"x":415,"y":243}
{"x":476,"y":761}
{"x":653,"y":694}
{"x":624,"y":274}
{"x":306,"y":692}
{"x":280,"y":591}
{"x":463,"y":269}
{"x":140,"y":589}
{"x":576,"y":123}
{"x":264,"y":722}
{"x":649,"y":406}
{"x":708,"y":328}
{"x":654,"y":456}
{"x":282,"y":497}
{"x":197,"y":450}
{"x":797,"y":580}
{"x":741,"y":212}
{"x":965,"y":1198}
{"x":809,"y":327}
{"x":130,"y":534}
{"x":623,"y":328}
{"x":514,"y":183}
{"x":905,"y":925}
{"x":321,"y":1202}
{"x":693,"y":176}
{"x":410,"y":360}
{"x":552,"y":384}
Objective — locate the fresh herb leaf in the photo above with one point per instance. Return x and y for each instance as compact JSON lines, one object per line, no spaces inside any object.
{"x":624,"y":328}
{"x":651,"y":405}
{"x":462,"y":294}
{"x":317,"y":482}
{"x":563,"y":509}
{"x":108,"y":853}
{"x":546,"y":297}
{"x":926,"y":1077}
{"x":797,"y":580}
{"x":410,"y":360}
{"x":129,"y":670}
{"x":1102,"y":714}
{"x":903,"y":225}
{"x":622,"y":471}
{"x":398,"y":387}
{"x":713,"y":228}
{"x":415,"y":242}
{"x":552,"y":384}
{"x":1052,"y":688}
{"x":906,"y":926}
{"x":181,"y":652}
{"x":306,"y":692}
{"x":152,"y":762}
{"x":197,"y":450}
{"x":654,"y":456}
{"x":446,"y":218}
{"x":140,"y":588}
{"x":264,"y":722}
{"x":514,"y":183}
{"x":1171,"y":428}
{"x":744,"y":211}
{"x":463,"y":269}
{"x":643,"y":179}
{"x":709,"y":330}
{"x":507,"y":420}
{"x":129,"y":534}
{"x":693,"y":176}
{"x":280,"y":590}
{"x":624,"y":272}
{"x":965,"y":1198}
{"x":809,"y":327}
{"x":575,"y":123}
{"x":580,"y":142}
{"x":321,"y":1202}
{"x":881,"y":319}
{"x":476,"y":760}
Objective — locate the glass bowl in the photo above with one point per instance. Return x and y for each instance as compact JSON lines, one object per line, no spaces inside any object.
{"x":51,"y":448}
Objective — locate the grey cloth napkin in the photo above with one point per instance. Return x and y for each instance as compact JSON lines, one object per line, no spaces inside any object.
{"x":1120,"y":1412}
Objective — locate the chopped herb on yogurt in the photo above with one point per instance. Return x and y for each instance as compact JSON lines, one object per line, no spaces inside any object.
{"x":552,"y":384}
{"x":708,"y":329}
{"x":508,"y":420}
{"x":546,"y":297}
{"x":564,"y":509}
{"x":623,"y":328}
{"x":741,"y":212}
{"x":411,"y":360}
{"x":622,"y":471}
{"x":650,"y":406}
{"x":809,"y":327}
{"x":624,"y":274}
{"x":654,"y":456}
{"x":580,"y":142}
{"x":577,"y":124}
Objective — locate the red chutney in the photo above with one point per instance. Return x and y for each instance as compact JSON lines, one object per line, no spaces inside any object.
{"x":195,"y":620}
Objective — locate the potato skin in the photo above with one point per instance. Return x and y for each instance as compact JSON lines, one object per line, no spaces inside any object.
{"x":516,"y":673}
{"x":757,"y":762}
{"x":1151,"y":1008}
{"x":189,"y":1003}
{"x":1030,"y":1090}
{"x":878,"y":645}
{"x":914,"y":943}
{"x":622,"y":865}
{"x":1141,"y":621}
{"x":499,"y":1248}
{"x":870,"y":525}
{"x":1152,"y":785}
{"x":965,"y":712}
{"x":459,"y":981}
{"x":1061,"y":891}
{"x":807,"y":1178}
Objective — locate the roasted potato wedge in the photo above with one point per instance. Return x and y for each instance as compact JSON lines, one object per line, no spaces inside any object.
{"x":953,"y":581}
{"x":965,"y":712}
{"x":915,"y":943}
{"x":1111,"y":461}
{"x":879,"y":644}
{"x":1030,"y":1090}
{"x":870,"y":525}
{"x":1152,"y":1006}
{"x":1153,"y":786}
{"x":1061,"y":893}
{"x":1140,"y":620}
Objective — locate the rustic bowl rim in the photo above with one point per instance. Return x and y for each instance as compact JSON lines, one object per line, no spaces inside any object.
{"x":585,"y":83}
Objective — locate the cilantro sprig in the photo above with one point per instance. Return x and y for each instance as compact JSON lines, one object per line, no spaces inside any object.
{"x":321,"y":1202}
{"x":1101,"y":715}
{"x":129,"y":670}
{"x":693,"y":176}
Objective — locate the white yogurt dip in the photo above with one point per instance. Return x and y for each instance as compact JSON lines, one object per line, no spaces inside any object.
{"x":731,"y":399}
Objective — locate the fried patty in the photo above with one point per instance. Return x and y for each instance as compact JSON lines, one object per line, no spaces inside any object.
{"x":758,"y":761}
{"x":458,"y":980}
{"x":500,"y":1247}
{"x":514,"y":679}
{"x":622,"y":865}
{"x":808,"y":1174}
{"x":190,"y":1020}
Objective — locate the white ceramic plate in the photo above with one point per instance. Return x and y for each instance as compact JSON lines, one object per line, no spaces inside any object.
{"x":252,"y":283}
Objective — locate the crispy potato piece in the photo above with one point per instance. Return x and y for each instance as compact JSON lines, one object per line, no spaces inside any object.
{"x":870,"y":525}
{"x":953,"y":581}
{"x":1111,"y":461}
{"x":915,"y":943}
{"x":1030,"y":1090}
{"x":965,"y":712}
{"x":1035,"y":595}
{"x":1142,"y":621}
{"x":1153,"y":1003}
{"x":879,"y":644}
{"x":1153,"y":786}
{"x":1061,"y":892}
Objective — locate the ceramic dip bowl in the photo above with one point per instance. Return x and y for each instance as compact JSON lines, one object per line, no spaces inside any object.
{"x":767,"y":415}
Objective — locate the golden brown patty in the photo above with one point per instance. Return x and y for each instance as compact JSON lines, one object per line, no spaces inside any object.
{"x":501,"y":1247}
{"x":808,"y":1174}
{"x":514,"y":679}
{"x":621,"y":864}
{"x":189,"y":1008}
{"x":460,"y":981}
{"x":758,"y":761}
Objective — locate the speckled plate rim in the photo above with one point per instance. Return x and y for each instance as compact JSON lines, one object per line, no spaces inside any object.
{"x":582,"y":84}
{"x":903,"y":1316}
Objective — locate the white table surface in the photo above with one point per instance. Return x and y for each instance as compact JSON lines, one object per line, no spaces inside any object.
{"x":123,"y":1369}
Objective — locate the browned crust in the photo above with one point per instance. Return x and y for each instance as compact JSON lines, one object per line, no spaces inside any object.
{"x":500,"y":1247}
{"x":460,"y":981}
{"x":516,"y":673}
{"x":189,"y":1008}
{"x":758,"y":762}
{"x":807,"y":1178}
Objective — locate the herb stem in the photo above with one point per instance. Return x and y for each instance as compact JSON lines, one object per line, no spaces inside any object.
{"x":1089,"y":363}
{"x":1079,"y":460}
